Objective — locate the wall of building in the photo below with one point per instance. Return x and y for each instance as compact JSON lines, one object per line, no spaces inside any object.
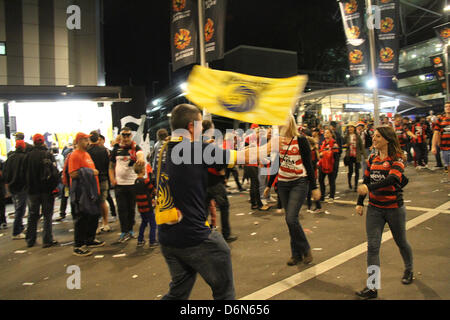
{"x":41,"y":50}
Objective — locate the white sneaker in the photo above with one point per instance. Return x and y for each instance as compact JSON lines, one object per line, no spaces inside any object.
{"x":99,"y":230}
{"x":106,"y":228}
{"x":310,"y":211}
{"x":330,"y":200}
{"x":264,"y":202}
{"x":19,"y":236}
{"x":271,"y":199}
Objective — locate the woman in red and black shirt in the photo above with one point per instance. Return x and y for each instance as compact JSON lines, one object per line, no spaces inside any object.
{"x":383,"y":181}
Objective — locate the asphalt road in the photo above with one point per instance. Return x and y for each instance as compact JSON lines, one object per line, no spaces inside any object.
{"x":259,"y":256}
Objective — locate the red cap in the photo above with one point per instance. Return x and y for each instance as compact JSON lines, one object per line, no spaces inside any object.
{"x":20,"y":144}
{"x":253,"y":126}
{"x":38,"y":138}
{"x":80,"y":135}
{"x":361,"y":124}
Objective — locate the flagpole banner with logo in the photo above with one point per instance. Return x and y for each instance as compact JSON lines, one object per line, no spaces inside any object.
{"x":352,"y":12}
{"x":265,"y":101}
{"x":183,"y":33}
{"x":438,"y":64}
{"x":443,"y":32}
{"x":387,"y":37}
{"x":215,"y":14}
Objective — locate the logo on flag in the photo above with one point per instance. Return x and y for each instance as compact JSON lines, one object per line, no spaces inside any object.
{"x":179,"y":5}
{"x":445,"y":33}
{"x":386,"y":54}
{"x":182,"y":39}
{"x":209,"y":30}
{"x":356,"y":56}
{"x":351,"y":7}
{"x":387,"y":25}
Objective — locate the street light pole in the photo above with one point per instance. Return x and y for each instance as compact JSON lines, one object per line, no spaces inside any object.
{"x":201,"y":37}
{"x":376,"y":108}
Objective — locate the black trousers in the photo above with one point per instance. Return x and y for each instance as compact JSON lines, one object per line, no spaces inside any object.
{"x":331,"y":182}
{"x":112,"y":206}
{"x":218,"y":192}
{"x":438,"y":157}
{"x":421,"y":151}
{"x":255,"y":196}
{"x":2,"y":204}
{"x":235,"y":175}
{"x":126,"y":203}
{"x":36,"y":201}
{"x":336,"y":167}
{"x":85,"y":225}
{"x":353,"y":164}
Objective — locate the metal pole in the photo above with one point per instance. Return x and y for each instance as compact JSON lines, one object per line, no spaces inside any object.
{"x":7,"y":125}
{"x":201,"y":37}
{"x":376,"y":105}
{"x":447,"y":95}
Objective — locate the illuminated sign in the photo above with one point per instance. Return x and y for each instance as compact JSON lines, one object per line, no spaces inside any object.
{"x":2,"y":48}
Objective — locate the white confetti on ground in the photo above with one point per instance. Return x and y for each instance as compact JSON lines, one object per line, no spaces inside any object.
{"x":20,"y":251}
{"x":119,"y":255}
{"x":256,"y":223}
{"x":317,"y":249}
{"x":252,"y":234}
{"x":406,"y":200}
{"x":240,"y":214}
{"x":98,"y":257}
{"x":135,"y":276}
{"x":27,"y":283}
{"x":1,"y":234}
{"x":275,"y":239}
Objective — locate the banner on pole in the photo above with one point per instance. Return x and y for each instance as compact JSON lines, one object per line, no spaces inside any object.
{"x":215,"y":14}
{"x":443,"y":32}
{"x":265,"y":101}
{"x":387,"y":37}
{"x":438,"y":64}
{"x":352,"y":12}
{"x":183,"y":33}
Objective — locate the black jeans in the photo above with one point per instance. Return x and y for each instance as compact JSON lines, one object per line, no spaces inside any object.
{"x":353,"y":164}
{"x":219,"y":194}
{"x":438,"y":157}
{"x":331,"y":182}
{"x":126,"y":203}
{"x":85,"y":225}
{"x":112,"y":206}
{"x":293,"y":194}
{"x":421,"y":151}
{"x":46,"y":200}
{"x":2,"y":203}
{"x":235,"y":175}
{"x":336,"y":167}
{"x":255,"y":196}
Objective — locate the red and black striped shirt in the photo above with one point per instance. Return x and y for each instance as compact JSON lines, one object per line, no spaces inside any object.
{"x":401,"y":135}
{"x":443,"y":127}
{"x":144,"y":190}
{"x":419,"y":130}
{"x":383,"y":179}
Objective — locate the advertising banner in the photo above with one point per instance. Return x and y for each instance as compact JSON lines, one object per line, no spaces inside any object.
{"x":183,"y":33}
{"x":215,"y":15}
{"x":437,"y":62}
{"x":387,"y":37}
{"x":443,"y":32}
{"x":352,"y":12}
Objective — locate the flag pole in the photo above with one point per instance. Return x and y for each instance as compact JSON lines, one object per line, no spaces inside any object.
{"x":201,"y":37}
{"x":447,"y":95}
{"x":371,"y":25}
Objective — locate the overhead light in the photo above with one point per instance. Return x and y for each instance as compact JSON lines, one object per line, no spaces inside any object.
{"x":183,"y":86}
{"x":155,"y":102}
{"x":70,"y":86}
{"x":438,"y":45}
{"x":447,"y":8}
{"x":414,"y":56}
{"x":347,"y":76}
{"x":360,"y":71}
{"x":371,"y":83}
{"x":169,"y":114}
{"x":422,"y":77}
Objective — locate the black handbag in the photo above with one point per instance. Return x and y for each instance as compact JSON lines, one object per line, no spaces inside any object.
{"x":346,"y":161}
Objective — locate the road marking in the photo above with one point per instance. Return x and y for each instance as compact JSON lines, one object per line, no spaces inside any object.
{"x":298,"y":278}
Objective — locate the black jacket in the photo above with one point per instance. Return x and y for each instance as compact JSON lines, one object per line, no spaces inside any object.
{"x":34,"y":167}
{"x":14,"y":172}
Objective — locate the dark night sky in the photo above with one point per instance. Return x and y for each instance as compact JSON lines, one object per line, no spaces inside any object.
{"x":137,"y":47}
{"x":137,"y":44}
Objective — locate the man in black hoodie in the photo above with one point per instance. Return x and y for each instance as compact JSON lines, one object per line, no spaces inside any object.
{"x":41,"y":189}
{"x":15,"y":179}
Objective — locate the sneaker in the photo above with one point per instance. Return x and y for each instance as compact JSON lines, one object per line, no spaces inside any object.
{"x":61,"y":218}
{"x":19,"y":236}
{"x":242,"y":190}
{"x":264,"y":208}
{"x":81,"y":252}
{"x":367,"y":293}
{"x":318,"y":211}
{"x":310,"y":211}
{"x":131,"y":234}
{"x":330,"y":200}
{"x":308,"y":258}
{"x":140,"y":243}
{"x":3,"y":226}
{"x":293,"y":261}
{"x":96,"y":243}
{"x":407,"y":277}
{"x":51,"y":244}
{"x":106,"y":228}
{"x":154,"y":244}
{"x":98,"y":231}
{"x":123,"y":237}
{"x":231,"y":238}
{"x":271,"y":199}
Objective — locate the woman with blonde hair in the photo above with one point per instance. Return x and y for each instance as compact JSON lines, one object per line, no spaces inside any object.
{"x":384,"y":182}
{"x":295,"y":178}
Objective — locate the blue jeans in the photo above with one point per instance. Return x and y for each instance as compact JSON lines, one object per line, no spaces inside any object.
{"x":148,"y":218}
{"x":20,"y":205}
{"x":36,"y":201}
{"x":375,"y":220}
{"x":211,"y":259}
{"x":292,"y":195}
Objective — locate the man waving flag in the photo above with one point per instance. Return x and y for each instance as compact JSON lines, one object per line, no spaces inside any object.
{"x":266,"y":101}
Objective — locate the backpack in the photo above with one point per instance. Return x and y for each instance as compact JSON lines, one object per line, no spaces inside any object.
{"x":50,"y":176}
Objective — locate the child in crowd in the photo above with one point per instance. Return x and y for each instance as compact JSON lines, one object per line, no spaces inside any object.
{"x":145,"y":191}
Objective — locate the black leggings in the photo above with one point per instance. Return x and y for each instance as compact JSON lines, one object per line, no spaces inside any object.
{"x":353,"y":164}
{"x":331,"y":181}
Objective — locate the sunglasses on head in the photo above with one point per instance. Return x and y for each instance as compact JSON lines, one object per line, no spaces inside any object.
{"x":126,"y":134}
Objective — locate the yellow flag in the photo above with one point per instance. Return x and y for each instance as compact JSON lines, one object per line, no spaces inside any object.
{"x":265,"y":101}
